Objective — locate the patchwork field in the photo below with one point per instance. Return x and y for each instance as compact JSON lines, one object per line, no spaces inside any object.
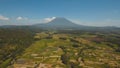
{"x":54,"y":50}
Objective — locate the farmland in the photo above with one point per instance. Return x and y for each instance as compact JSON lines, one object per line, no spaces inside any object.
{"x":53,"y":49}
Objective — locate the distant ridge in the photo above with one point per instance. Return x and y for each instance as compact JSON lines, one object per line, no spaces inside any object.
{"x":60,"y":23}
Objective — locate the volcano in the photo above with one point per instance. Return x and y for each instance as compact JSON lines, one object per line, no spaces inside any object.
{"x":59,"y":23}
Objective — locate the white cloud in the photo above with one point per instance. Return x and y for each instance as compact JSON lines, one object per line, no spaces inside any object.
{"x":46,"y":20}
{"x":21,"y":18}
{"x":3,"y":18}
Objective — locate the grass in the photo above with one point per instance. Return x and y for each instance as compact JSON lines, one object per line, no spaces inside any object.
{"x":44,"y":47}
{"x":5,"y":63}
{"x":91,"y":51}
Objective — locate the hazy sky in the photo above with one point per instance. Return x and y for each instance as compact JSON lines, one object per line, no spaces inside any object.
{"x":84,"y":12}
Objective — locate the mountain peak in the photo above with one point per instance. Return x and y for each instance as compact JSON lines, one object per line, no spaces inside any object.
{"x":59,"y":23}
{"x":46,"y":20}
{"x":60,"y":20}
{"x":54,"y":18}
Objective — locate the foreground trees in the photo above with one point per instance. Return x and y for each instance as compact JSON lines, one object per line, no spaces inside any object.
{"x":12,"y":43}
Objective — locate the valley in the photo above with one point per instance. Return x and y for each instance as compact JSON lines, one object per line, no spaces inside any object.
{"x":59,"y":33}
{"x":71,"y":49}
{"x":55,"y":45}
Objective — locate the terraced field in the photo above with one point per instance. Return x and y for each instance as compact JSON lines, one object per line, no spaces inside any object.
{"x":43,"y":52}
{"x":68,"y":51}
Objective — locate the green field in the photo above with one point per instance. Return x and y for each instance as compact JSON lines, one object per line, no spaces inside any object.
{"x":69,"y":51}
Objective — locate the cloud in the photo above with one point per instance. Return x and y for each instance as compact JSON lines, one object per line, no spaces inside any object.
{"x":46,"y":20}
{"x":21,"y":18}
{"x":3,"y":18}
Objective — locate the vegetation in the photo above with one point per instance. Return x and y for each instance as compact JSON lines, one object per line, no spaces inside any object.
{"x":61,"y":48}
{"x":12,"y":43}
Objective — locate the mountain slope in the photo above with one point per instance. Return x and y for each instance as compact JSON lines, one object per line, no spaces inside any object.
{"x":59,"y":23}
